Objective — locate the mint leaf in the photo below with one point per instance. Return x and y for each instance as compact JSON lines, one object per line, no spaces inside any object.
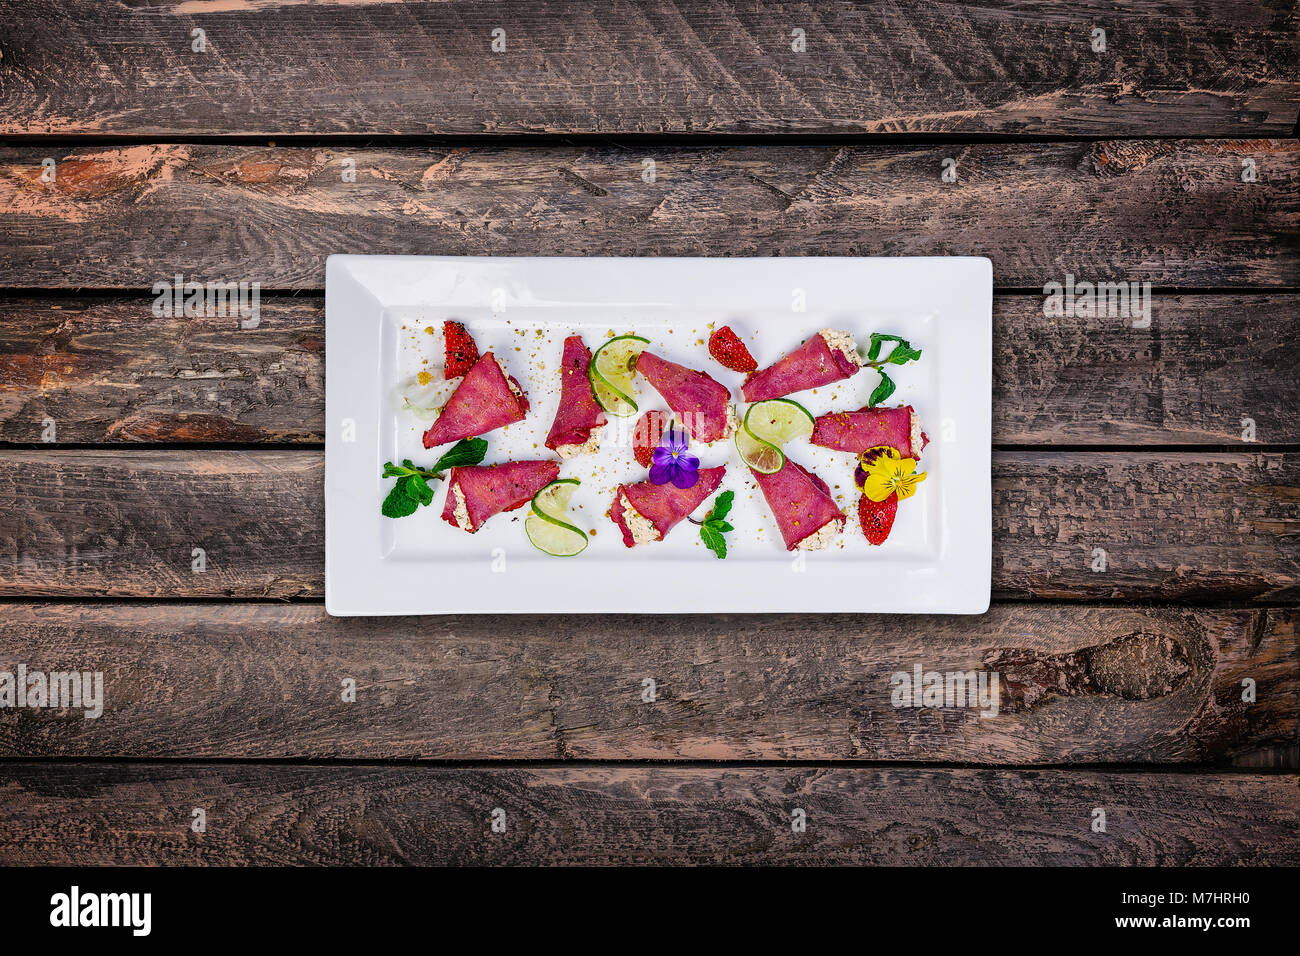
{"x":417,"y":487}
{"x":721,"y":506}
{"x":883,"y":390}
{"x":467,"y":451}
{"x":713,"y":540}
{"x":713,"y":527}
{"x":873,"y":352}
{"x":901,"y":354}
{"x":398,"y":504}
{"x":412,"y":489}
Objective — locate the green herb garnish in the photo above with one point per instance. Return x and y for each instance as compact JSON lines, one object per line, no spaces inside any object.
{"x":412,"y":489}
{"x":712,"y":528}
{"x":901,"y":354}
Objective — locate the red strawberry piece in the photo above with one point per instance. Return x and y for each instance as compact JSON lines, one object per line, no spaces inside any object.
{"x":877,"y":517}
{"x":725,"y":346}
{"x":460,"y":351}
{"x":648,"y":435}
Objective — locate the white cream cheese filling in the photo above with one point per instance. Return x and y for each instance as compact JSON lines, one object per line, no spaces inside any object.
{"x":642,"y":528}
{"x":591,"y":446}
{"x":842,"y":342}
{"x":519,"y":393}
{"x":461,"y":510}
{"x":916,"y":440}
{"x":731,"y":421}
{"x":823,"y":537}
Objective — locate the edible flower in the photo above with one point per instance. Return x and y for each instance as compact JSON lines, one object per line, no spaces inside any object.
{"x":882,"y":472}
{"x":673,"y":462}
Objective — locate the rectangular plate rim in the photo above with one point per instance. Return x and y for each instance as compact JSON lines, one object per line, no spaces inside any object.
{"x":357,"y":584}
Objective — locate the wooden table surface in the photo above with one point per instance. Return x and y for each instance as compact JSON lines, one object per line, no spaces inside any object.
{"x":127,"y":440}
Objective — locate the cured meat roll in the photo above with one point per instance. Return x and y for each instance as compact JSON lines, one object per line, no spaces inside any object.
{"x":805,"y":512}
{"x":867,"y":428}
{"x":486,"y":399}
{"x":578,"y":417}
{"x":700,"y":403}
{"x":477,"y":492}
{"x":828,"y":356}
{"x":647,"y":512}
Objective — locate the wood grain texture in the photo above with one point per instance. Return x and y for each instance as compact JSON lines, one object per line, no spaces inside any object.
{"x":1206,"y":362}
{"x":110,"y":371}
{"x":648,"y":67}
{"x":107,"y":370}
{"x":121,"y":525}
{"x":1172,"y":212}
{"x":1174,"y":526}
{"x":139,"y":814}
{"x":1076,"y":685}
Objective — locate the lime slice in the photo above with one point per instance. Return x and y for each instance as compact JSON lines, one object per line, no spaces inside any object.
{"x":766,"y":427}
{"x":545,"y":524}
{"x":553,"y":500}
{"x":764,"y":457}
{"x":553,"y":538}
{"x":778,"y":420}
{"x":612,"y":374}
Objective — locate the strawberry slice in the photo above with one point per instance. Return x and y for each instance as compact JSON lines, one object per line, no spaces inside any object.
{"x":648,"y":435}
{"x":877,"y":517}
{"x":725,"y":346}
{"x":460,"y":352}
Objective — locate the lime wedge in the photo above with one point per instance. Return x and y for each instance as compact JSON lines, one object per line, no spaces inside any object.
{"x":778,"y":420}
{"x":545,"y":524}
{"x":764,"y":457}
{"x":612,"y":374}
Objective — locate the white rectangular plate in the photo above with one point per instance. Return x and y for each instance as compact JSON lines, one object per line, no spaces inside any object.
{"x":377,"y":308}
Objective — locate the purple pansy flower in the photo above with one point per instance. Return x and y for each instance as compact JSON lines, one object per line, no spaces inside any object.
{"x":673,"y":462}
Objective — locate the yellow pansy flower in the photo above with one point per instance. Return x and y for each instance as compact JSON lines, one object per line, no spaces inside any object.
{"x":888,"y":474}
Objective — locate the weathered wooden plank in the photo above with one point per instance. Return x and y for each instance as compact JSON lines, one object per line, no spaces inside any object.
{"x":648,"y":67}
{"x":110,"y":524}
{"x":1173,"y":212}
{"x":99,"y":814}
{"x":1206,"y":364}
{"x":1173,"y":526}
{"x":264,"y":681}
{"x":107,"y":370}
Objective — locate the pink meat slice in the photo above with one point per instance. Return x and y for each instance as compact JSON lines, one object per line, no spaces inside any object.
{"x":698,"y":401}
{"x":578,"y":415}
{"x":800,"y":501}
{"x":867,"y":428}
{"x":811,"y":365}
{"x":483,"y":401}
{"x":492,"y":489}
{"x":664,"y":505}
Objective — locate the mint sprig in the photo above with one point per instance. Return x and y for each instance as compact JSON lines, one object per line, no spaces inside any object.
{"x":412,"y":489}
{"x":900,"y":354}
{"x":713,"y":527}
